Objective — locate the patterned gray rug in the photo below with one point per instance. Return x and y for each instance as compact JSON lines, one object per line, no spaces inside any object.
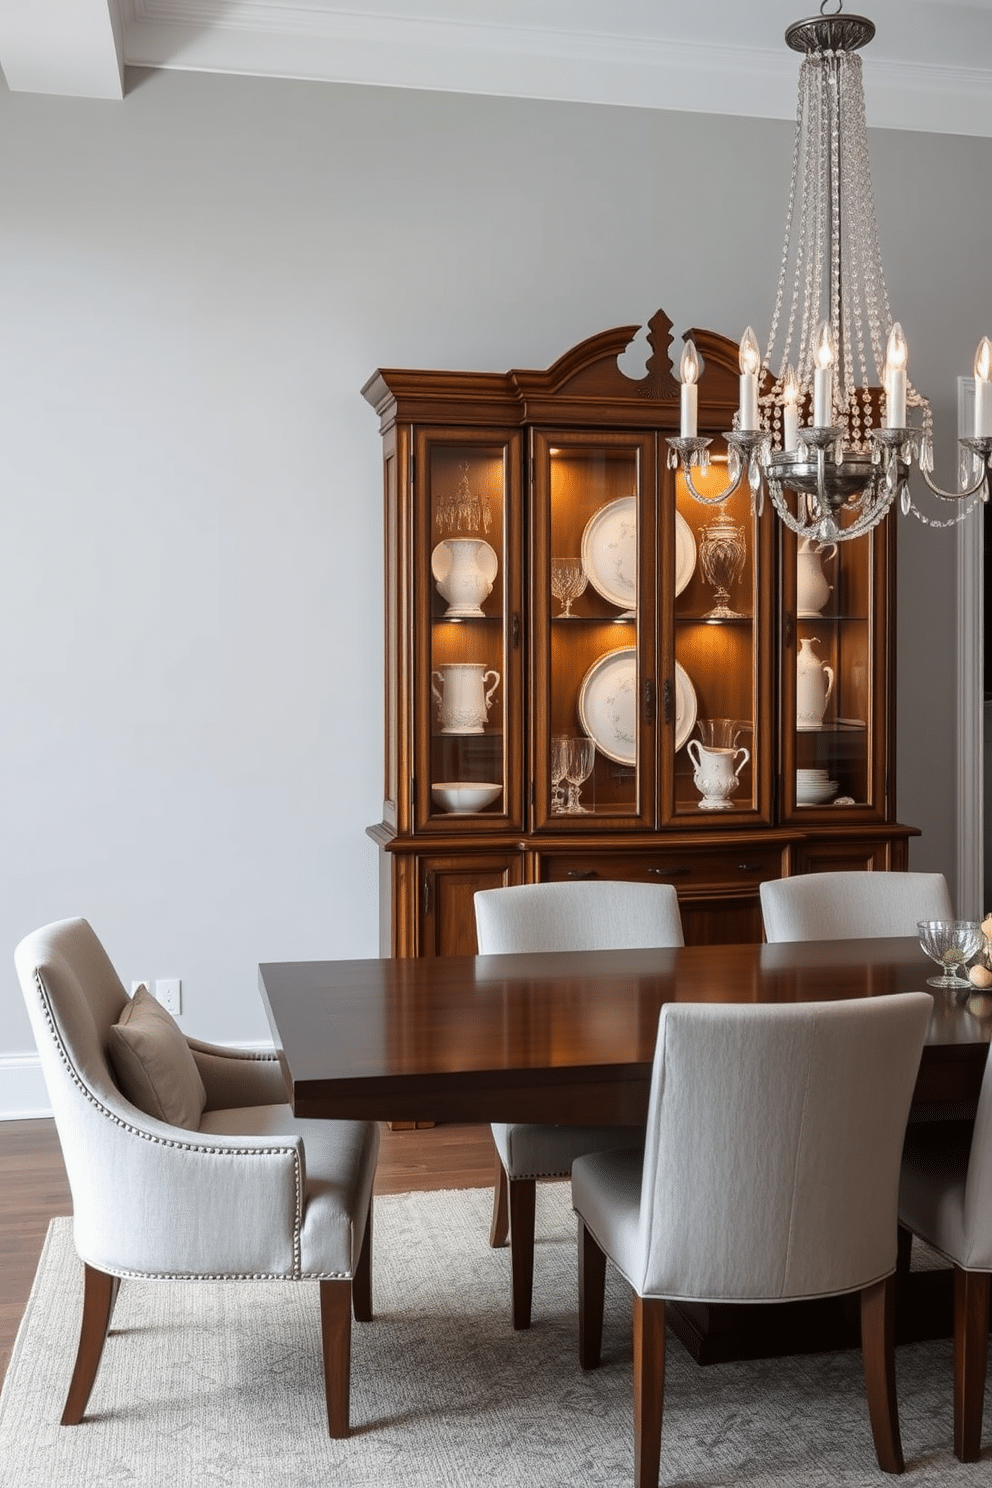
{"x":219,"y":1384}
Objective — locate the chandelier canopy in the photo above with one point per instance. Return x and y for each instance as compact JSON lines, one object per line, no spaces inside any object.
{"x":824,"y":421}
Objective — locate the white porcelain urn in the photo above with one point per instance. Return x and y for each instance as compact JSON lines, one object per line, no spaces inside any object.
{"x":464,"y":569}
{"x":812,"y":589}
{"x":814,"y":684}
{"x":463,"y":696}
{"x":717,"y":773}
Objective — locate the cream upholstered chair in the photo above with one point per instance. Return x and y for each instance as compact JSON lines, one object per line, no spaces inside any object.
{"x":587,"y":915}
{"x":201,"y":1172}
{"x":945,"y":1197}
{"x":852,"y":906}
{"x":770,"y":1173}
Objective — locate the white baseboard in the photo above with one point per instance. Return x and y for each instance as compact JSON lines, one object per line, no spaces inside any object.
{"x":23,"y":1096}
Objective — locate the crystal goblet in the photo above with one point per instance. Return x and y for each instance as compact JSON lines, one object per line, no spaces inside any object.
{"x":952,"y":944}
{"x":559,"y":763}
{"x":568,"y":581}
{"x":579,"y":761}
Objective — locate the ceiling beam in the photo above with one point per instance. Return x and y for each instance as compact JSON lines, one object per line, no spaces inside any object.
{"x":62,"y":46}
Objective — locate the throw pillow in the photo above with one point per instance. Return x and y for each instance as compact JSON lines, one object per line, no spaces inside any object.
{"x":154,"y":1065}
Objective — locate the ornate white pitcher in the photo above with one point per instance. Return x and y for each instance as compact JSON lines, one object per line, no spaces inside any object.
{"x":814,"y":684}
{"x":716,"y":775}
{"x":812,"y":589}
{"x":462,"y":696}
{"x":464,"y":569}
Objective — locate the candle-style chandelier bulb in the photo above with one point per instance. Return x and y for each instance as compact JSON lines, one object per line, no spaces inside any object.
{"x":750,"y":355}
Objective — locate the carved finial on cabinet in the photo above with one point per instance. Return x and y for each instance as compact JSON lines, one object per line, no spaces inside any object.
{"x":659,"y":381}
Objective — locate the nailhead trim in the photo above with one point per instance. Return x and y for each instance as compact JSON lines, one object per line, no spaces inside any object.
{"x":146,"y":1136}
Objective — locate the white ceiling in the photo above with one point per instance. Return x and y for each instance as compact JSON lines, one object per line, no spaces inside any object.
{"x":928,"y":68}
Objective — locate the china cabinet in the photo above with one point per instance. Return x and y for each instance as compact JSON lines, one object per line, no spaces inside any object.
{"x":591,"y":673}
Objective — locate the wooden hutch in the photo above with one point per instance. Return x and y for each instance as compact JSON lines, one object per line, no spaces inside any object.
{"x":684,"y":614}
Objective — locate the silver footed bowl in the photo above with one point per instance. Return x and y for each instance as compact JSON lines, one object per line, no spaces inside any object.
{"x":952,"y":944}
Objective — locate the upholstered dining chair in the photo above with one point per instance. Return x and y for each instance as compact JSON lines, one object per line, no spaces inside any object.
{"x":185,"y":1162}
{"x":852,"y":905}
{"x":770,"y":1173}
{"x":585,"y":915}
{"x":945,"y":1197}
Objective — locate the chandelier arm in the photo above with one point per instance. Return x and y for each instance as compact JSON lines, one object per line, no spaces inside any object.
{"x":689,"y":453}
{"x":980,"y":486}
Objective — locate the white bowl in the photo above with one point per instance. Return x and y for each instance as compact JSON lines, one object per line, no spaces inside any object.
{"x":462,"y":797}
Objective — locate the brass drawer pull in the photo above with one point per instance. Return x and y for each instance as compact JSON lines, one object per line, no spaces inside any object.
{"x":574,"y":873}
{"x":749,"y":867}
{"x":669,"y":872}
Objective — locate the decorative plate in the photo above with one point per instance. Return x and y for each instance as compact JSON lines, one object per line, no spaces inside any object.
{"x":608,"y":705}
{"x":685,"y":553}
{"x":685,"y":706}
{"x":609,"y":552}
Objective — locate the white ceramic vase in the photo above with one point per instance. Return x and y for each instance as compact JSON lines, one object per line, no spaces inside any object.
{"x":463,"y":697}
{"x":812,"y":589}
{"x":717,"y":774}
{"x":814,"y":684}
{"x":464,"y":569}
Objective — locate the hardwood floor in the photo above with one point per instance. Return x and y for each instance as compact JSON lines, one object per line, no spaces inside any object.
{"x":34,"y":1190}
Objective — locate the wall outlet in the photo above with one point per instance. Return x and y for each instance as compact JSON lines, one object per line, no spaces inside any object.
{"x":169,"y":991}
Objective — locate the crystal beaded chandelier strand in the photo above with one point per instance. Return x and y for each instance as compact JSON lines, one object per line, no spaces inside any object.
{"x":833,"y":443}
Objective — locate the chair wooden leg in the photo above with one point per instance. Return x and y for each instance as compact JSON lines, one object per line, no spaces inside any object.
{"x":523,"y":1199}
{"x":361,"y":1285}
{"x":971,"y":1339}
{"x":649,"y":1388}
{"x":592,"y":1288}
{"x":500,"y":1228}
{"x":99,"y":1296}
{"x":335,"y":1334}
{"x":878,"y":1352}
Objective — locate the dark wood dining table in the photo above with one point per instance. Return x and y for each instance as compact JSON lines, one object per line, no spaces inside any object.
{"x":565,"y":1037}
{"x":570,"y":1037}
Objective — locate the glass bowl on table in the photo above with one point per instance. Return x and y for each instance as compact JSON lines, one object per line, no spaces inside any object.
{"x":952,"y":944}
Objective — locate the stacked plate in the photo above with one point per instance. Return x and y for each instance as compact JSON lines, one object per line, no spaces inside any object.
{"x":813,"y":788}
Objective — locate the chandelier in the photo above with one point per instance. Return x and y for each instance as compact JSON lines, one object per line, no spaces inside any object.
{"x":824,"y":418}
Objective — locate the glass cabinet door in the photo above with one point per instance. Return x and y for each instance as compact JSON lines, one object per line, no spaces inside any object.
{"x":716,"y":693}
{"x":594,"y":682}
{"x":833,"y":648}
{"x":469,"y":725}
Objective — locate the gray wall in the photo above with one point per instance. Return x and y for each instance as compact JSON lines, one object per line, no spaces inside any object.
{"x":194,"y":285}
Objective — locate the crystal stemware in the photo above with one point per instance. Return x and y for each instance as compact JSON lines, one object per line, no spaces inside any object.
{"x":952,"y":944}
{"x":580,"y":759}
{"x":559,"y":762}
{"x":568,"y":581}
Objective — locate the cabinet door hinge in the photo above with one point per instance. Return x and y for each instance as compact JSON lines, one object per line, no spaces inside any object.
{"x":666,"y":700}
{"x":650,"y":701}
{"x":515,"y":630}
{"x":427,"y":896}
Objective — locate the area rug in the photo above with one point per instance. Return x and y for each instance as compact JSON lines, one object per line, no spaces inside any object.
{"x":219,"y":1385}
